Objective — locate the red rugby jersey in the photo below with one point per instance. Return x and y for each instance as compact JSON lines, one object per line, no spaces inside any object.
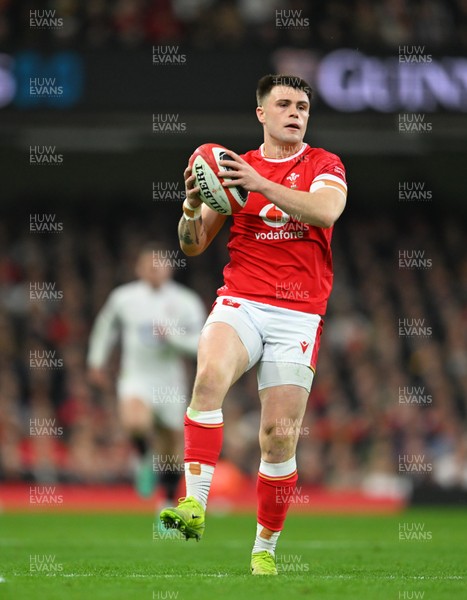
{"x":274,"y":258}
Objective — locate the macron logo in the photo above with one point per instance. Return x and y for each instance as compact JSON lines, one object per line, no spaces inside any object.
{"x":304,"y":346}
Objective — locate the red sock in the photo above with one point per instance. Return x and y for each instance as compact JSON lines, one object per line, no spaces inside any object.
{"x":274,"y":493}
{"x":203,"y":442}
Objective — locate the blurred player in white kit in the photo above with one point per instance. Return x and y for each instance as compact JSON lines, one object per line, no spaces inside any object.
{"x":158,"y":322}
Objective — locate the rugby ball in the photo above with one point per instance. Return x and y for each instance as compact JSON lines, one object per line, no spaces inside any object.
{"x":205,"y":165}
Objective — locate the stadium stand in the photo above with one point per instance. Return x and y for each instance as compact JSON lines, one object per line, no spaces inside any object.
{"x":379,"y":394}
{"x":384,"y":24}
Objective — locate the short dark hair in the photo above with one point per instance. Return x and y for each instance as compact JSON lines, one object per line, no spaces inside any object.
{"x":266,"y":83}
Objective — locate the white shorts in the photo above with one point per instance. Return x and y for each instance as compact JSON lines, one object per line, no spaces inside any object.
{"x":167,"y":402}
{"x":285,"y":342}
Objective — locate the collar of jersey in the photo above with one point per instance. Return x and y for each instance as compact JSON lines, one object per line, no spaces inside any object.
{"x":281,"y":160}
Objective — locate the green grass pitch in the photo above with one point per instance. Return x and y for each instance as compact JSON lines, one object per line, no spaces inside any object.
{"x":416,"y":554}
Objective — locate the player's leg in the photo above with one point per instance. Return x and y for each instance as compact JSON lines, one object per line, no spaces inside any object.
{"x":222,"y":358}
{"x":282,"y":410}
{"x":169,"y":447}
{"x":169,"y":411}
{"x":285,"y":376}
{"x":137,"y":420}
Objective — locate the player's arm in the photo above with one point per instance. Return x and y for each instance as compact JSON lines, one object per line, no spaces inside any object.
{"x":103,"y":337}
{"x":321,"y":206}
{"x":199,"y":224}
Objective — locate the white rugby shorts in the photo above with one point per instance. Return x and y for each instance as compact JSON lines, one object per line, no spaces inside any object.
{"x":284,"y":342}
{"x":167,"y":402}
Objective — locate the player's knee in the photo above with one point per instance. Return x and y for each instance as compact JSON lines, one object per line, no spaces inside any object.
{"x":277,"y":445}
{"x":209,"y":389}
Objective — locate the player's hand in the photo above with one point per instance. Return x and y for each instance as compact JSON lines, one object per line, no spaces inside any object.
{"x":241,"y":173}
{"x":191,"y":190}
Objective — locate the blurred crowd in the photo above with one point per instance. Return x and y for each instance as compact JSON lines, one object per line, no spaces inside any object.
{"x":365,"y":24}
{"x":391,"y":384}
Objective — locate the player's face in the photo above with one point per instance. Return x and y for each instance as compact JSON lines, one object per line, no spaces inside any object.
{"x":153,"y":268}
{"x":284,"y":114}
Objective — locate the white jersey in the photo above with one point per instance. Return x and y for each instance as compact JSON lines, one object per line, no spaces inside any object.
{"x":158,"y":327}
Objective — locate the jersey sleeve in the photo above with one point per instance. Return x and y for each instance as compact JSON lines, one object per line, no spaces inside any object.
{"x":104,"y":333}
{"x":330,"y":172}
{"x":191,"y":322}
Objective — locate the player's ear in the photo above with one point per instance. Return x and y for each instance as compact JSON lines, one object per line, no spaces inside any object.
{"x":260,"y":114}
